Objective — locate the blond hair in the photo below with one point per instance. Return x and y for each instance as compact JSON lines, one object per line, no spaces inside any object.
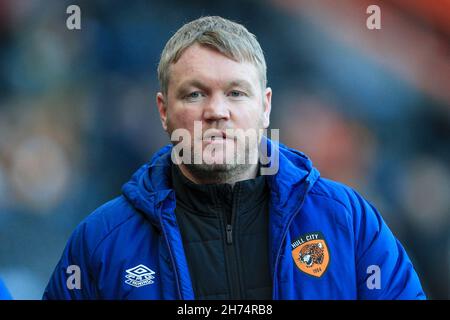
{"x":229,"y":38}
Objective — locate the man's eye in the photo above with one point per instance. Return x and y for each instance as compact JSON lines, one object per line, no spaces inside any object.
{"x":236,"y":94}
{"x":193,"y":95}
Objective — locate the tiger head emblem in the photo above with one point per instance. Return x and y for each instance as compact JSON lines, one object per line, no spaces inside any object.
{"x":311,"y":254}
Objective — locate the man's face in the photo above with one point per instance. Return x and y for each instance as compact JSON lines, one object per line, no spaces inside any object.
{"x":221,"y":94}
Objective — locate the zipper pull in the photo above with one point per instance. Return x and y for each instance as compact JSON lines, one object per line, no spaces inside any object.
{"x":229,"y":234}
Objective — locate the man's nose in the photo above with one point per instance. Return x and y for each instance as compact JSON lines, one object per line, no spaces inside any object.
{"x":216,"y":109}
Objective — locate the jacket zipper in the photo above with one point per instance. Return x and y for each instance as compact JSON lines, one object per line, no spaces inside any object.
{"x":229,"y":234}
{"x":177,"y":280}
{"x":230,"y":250}
{"x":285,"y":230}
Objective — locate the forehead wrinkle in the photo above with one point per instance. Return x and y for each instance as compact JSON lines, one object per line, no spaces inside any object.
{"x":193,"y":63}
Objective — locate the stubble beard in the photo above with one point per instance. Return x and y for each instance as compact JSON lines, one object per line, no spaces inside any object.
{"x":244,"y":165}
{"x":223,"y":172}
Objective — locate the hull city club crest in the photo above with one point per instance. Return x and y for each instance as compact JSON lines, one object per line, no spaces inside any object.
{"x":310,"y":253}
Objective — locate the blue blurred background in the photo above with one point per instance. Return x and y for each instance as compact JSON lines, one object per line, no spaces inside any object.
{"x":78,"y":113}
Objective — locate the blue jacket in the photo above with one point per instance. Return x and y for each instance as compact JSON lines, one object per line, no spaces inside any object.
{"x":4,"y":293}
{"x":326,"y":242}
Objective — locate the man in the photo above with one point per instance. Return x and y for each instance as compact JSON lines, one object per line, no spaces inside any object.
{"x":203,"y":220}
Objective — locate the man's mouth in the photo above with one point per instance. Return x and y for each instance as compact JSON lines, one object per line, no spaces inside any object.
{"x":215,"y":136}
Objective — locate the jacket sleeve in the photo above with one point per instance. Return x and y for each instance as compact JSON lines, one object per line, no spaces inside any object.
{"x":4,"y":293}
{"x":72,"y":278}
{"x":384,"y":270}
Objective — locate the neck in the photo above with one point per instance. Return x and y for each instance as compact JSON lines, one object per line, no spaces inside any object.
{"x":236,"y":174}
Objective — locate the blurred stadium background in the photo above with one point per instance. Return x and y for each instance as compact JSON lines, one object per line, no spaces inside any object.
{"x":78,"y":113}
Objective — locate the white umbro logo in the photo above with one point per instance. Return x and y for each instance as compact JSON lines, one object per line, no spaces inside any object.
{"x":139,"y":276}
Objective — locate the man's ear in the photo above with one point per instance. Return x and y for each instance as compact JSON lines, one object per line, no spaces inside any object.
{"x":162,"y":108}
{"x":267,"y":104}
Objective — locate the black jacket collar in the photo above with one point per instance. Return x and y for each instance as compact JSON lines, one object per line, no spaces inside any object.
{"x":206,"y":198}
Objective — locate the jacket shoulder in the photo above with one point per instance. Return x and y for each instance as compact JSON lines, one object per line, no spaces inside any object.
{"x":350,"y":206}
{"x":102,"y":223}
{"x":335,"y":192}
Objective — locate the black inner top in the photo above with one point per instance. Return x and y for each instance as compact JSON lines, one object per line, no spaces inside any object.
{"x":225,"y":237}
